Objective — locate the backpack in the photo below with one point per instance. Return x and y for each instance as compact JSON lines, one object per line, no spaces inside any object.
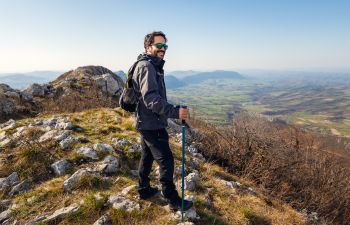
{"x":128,"y":99}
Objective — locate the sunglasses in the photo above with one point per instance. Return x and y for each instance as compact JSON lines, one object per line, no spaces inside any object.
{"x":160,"y":46}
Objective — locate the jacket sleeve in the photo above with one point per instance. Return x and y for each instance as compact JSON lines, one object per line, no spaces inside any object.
{"x":150,"y":95}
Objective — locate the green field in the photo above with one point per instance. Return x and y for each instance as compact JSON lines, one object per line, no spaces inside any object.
{"x":322,"y":107}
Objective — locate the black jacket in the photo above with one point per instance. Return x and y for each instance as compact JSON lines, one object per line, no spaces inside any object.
{"x":153,"y":110}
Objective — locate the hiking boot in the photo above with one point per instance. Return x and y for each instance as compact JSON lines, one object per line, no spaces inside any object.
{"x":176,"y":204}
{"x":147,"y":193}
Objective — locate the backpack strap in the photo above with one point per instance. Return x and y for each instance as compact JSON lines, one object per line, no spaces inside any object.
{"x":130,"y":73}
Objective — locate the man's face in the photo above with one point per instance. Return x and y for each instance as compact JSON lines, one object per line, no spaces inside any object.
{"x":153,"y":50}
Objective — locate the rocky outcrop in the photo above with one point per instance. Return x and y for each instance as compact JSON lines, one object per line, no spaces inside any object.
{"x":15,"y":103}
{"x":88,"y":76}
{"x":83,"y":83}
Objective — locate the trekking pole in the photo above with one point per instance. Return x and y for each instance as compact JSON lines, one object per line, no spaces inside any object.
{"x":183,"y":167}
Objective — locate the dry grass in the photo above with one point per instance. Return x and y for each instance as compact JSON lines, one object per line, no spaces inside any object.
{"x":229,"y":207}
{"x":78,"y":99}
{"x":290,"y":164}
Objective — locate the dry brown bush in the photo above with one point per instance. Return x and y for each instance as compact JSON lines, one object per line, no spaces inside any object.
{"x":303,"y":169}
{"x":79,"y":99}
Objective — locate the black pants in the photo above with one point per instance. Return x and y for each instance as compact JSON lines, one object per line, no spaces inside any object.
{"x":155,"y":146}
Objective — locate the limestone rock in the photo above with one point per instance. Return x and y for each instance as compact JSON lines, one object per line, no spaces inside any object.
{"x":60,"y":213}
{"x":60,"y":167}
{"x":9,"y":181}
{"x":5,"y":215}
{"x":87,"y":152}
{"x":20,"y":188}
{"x":110,"y":165}
{"x":68,"y":142}
{"x":74,"y":180}
{"x":120,"y":202}
{"x":103,"y":220}
{"x":107,"y":83}
{"x":191,"y":181}
{"x":103,"y":148}
{"x":121,"y":142}
{"x":190,"y":214}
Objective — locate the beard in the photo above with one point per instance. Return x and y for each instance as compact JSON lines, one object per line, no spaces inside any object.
{"x":156,"y":51}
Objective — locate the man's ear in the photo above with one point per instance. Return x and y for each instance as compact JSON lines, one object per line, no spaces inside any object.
{"x":148,"y":49}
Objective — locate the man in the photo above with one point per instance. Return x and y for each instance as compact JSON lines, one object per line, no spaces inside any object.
{"x":151,"y":114}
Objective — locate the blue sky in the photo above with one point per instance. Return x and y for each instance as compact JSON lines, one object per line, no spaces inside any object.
{"x":203,"y":35}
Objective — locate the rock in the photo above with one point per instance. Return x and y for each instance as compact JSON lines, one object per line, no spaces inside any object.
{"x":60,"y":167}
{"x":36,"y":90}
{"x":126,"y":190}
{"x":7,"y":107}
{"x":194,"y":163}
{"x":110,"y":165}
{"x":186,"y":223}
{"x":64,"y":126}
{"x":12,"y":94}
{"x":48,"y":135}
{"x":231,"y":184}
{"x":9,"y":181}
{"x":62,"y":135}
{"x":5,"y":215}
{"x":55,"y":134}
{"x":6,"y":142}
{"x":191,"y":149}
{"x":198,"y":156}
{"x":74,"y":180}
{"x":5,"y":204}
{"x":38,"y":122}
{"x":36,"y":220}
{"x":134,"y":148}
{"x":120,"y":202}
{"x":26,"y":96}
{"x":121,"y":142}
{"x":103,"y":148}
{"x":68,"y":142}
{"x":50,"y":122}
{"x":20,"y":188}
{"x":60,"y":213}
{"x":87,"y":152}
{"x":10,"y":124}
{"x":20,"y":131}
{"x":191,"y":181}
{"x":5,"y":88}
{"x":190,"y":214}
{"x":108,"y":84}
{"x":3,"y":136}
{"x":103,"y":220}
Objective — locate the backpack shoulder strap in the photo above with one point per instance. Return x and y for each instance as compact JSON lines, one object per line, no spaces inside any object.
{"x":128,"y":82}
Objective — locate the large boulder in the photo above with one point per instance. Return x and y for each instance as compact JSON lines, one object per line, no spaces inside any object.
{"x":39,"y":90}
{"x":109,"y":84}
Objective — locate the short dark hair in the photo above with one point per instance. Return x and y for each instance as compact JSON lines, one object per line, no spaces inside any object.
{"x":149,"y":38}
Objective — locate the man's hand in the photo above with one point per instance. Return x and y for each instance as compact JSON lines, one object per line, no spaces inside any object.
{"x":184,"y":114}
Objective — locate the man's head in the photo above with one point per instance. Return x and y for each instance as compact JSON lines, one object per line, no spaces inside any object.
{"x":155,"y":44}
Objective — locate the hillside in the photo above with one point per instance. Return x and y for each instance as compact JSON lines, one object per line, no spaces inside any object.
{"x":79,"y":168}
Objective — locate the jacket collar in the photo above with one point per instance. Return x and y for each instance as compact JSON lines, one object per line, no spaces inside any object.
{"x":156,"y":61}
